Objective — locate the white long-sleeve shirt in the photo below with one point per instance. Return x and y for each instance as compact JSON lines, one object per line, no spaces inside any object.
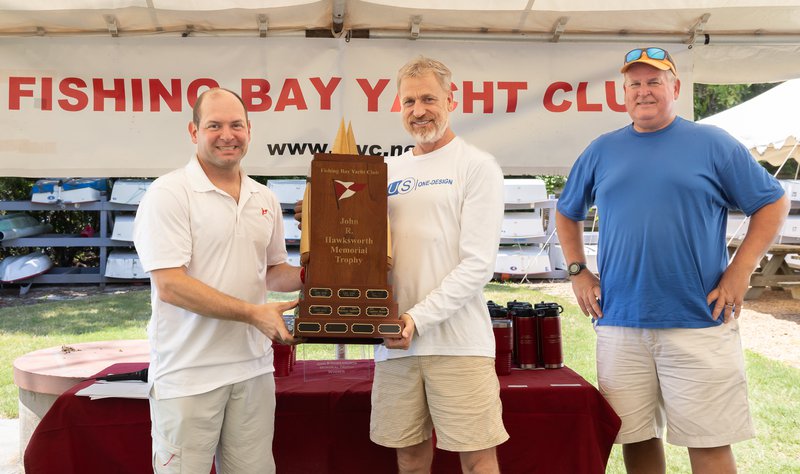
{"x":446,"y":210}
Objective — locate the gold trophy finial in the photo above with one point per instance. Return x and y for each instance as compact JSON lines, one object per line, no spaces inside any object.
{"x":351,"y":140}
{"x":345,"y":141}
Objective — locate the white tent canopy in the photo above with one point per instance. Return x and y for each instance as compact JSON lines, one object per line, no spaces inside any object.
{"x":768,"y":125}
{"x":676,"y":18}
{"x":758,"y":36}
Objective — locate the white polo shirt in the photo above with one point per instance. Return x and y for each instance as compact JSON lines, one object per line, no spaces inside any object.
{"x":185,"y":221}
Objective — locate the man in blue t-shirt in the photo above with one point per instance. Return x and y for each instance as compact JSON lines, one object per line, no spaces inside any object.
{"x":666,"y":302}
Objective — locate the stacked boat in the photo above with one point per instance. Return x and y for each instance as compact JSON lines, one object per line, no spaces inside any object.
{"x":69,"y":190}
{"x":288,"y":192}
{"x":124,"y":263}
{"x":17,"y":268}
{"x":524,"y":240}
{"x":738,"y":223}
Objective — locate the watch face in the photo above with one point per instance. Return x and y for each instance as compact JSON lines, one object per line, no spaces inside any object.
{"x":574,"y":267}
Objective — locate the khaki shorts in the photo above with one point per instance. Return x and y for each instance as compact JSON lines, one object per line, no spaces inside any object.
{"x":459,"y":395}
{"x":690,"y":380}
{"x":235,"y":423}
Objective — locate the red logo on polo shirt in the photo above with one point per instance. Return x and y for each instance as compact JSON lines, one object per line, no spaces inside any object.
{"x":346,"y":189}
{"x":264,"y":212}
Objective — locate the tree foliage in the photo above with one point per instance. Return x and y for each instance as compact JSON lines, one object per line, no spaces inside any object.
{"x":710,"y":99}
{"x":788,"y":171}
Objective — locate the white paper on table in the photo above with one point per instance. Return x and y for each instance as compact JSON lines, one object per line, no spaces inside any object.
{"x":118,"y":389}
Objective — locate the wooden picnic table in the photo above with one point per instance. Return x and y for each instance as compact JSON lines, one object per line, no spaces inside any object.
{"x":774,"y":271}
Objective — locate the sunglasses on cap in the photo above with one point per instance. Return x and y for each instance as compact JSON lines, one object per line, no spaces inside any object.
{"x":654,"y":56}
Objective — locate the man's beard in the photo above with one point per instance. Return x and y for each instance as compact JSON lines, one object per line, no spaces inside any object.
{"x":431,"y":134}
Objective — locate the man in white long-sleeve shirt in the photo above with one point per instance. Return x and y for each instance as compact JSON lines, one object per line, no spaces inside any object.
{"x":445,"y":209}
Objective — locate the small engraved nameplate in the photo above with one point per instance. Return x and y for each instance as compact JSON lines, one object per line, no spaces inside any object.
{"x":309,"y":327}
{"x":336,"y":328}
{"x":363,"y":328}
{"x":389,"y":329}
{"x":377,"y":294}
{"x":317,"y":310}
{"x":377,"y":311}
{"x":320,"y":292}
{"x":349,"y":293}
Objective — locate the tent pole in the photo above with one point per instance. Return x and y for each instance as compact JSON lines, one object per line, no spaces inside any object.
{"x":790,"y":39}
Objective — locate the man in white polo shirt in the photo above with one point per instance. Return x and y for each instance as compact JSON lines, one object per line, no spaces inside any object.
{"x":212,"y":240}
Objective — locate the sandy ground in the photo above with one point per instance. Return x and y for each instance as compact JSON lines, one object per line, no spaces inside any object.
{"x":9,"y":447}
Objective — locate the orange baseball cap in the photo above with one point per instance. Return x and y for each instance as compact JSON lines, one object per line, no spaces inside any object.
{"x":656,"y":57}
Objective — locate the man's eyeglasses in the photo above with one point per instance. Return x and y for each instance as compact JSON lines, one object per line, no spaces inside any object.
{"x":656,"y":54}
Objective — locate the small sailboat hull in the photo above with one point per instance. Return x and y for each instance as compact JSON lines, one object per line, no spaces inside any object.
{"x":129,"y":191}
{"x":68,"y":191}
{"x":517,"y":261}
{"x":13,"y":226}
{"x":288,"y":191}
{"x":123,"y":228}
{"x":124,"y":264}
{"x":18,"y":268}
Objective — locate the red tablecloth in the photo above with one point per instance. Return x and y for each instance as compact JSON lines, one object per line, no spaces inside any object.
{"x":557,"y":421}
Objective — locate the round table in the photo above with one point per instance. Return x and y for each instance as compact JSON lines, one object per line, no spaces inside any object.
{"x":45,"y":374}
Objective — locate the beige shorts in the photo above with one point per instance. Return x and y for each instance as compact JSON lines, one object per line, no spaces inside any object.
{"x":459,"y":395}
{"x":235,"y":423}
{"x":690,"y":380}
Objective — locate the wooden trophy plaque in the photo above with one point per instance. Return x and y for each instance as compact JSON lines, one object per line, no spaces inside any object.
{"x":346,"y":298}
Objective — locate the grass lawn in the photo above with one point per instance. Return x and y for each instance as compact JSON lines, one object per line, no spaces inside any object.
{"x":30,"y":327}
{"x":774,"y":387}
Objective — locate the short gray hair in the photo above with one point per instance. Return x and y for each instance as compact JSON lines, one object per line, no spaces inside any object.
{"x":421,"y":66}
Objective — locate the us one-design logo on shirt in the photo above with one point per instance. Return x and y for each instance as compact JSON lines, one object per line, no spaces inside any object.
{"x":407,"y":185}
{"x":402,"y":186}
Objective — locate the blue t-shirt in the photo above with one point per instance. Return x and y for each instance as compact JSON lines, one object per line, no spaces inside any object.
{"x":663,"y":199}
